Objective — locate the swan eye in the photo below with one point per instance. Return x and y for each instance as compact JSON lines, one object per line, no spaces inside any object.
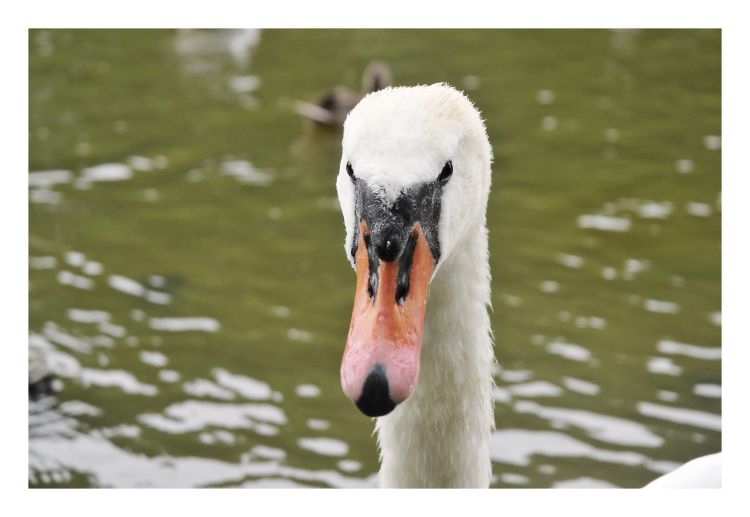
{"x":446,"y":173}
{"x":350,"y":171}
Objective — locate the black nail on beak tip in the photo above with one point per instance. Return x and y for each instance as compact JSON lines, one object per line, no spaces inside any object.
{"x":375,"y":399}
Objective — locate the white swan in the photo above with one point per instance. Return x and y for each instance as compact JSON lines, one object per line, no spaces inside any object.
{"x":703,"y":472}
{"x":413,"y":186}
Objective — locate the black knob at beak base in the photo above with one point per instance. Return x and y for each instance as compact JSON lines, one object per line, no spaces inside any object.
{"x":375,"y":399}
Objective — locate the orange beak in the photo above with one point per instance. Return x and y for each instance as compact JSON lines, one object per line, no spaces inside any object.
{"x":380,"y":366}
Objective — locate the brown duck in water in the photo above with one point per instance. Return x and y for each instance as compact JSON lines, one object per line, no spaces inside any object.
{"x":332,"y":107}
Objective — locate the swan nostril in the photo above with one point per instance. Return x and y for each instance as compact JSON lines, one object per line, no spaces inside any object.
{"x":388,"y":248}
{"x":375,"y":399}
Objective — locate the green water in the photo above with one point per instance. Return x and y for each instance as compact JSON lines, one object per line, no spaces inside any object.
{"x":188,"y":283}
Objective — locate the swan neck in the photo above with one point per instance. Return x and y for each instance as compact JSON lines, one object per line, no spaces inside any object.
{"x":439,"y":437}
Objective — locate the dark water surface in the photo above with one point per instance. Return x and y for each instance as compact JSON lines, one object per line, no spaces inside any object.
{"x":189,"y":288}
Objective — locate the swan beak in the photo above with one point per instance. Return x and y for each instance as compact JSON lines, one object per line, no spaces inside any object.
{"x":380,"y":366}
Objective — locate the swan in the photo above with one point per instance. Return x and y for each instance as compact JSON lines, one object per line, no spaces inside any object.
{"x":332,"y":107}
{"x":702,"y":472}
{"x":413,"y":185}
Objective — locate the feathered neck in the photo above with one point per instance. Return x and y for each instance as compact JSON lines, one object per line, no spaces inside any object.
{"x":439,"y":437}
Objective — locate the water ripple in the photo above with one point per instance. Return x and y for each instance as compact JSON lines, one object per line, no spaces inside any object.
{"x":604,"y":222}
{"x":604,"y":428}
{"x":518,"y":446}
{"x":685,"y":416}
{"x":324,"y":446}
{"x":190,"y":324}
{"x":196,"y":415}
{"x":244,"y":386}
{"x":666,"y":346}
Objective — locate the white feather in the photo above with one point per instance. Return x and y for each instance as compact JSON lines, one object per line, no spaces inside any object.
{"x":703,"y":472}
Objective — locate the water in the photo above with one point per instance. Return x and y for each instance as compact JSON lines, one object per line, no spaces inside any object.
{"x":188,"y":284}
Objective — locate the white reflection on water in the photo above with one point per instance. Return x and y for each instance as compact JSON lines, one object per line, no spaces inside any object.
{"x":205,"y":388}
{"x":217,"y":436}
{"x":58,"y":362}
{"x":191,"y":324}
{"x":614,"y":430}
{"x":44,"y":196}
{"x":140,"y":163}
{"x":545,"y":97}
{"x":245,"y":172}
{"x":47,"y":262}
{"x":661,"y":306}
{"x":111,"y":329}
{"x":349,"y":465}
{"x":536,"y":389}
{"x":299,"y":335}
{"x":265,"y":452}
{"x":470,"y":82}
{"x":169,"y":376}
{"x":106,"y":172}
{"x":119,"y":431}
{"x":712,"y":142}
{"x":580,"y":386}
{"x":569,"y":351}
{"x":92,"y":268}
{"x":129,"y":286}
{"x":501,"y":395}
{"x":116,"y":467}
{"x":604,"y":222}
{"x":571,"y":261}
{"x":52,"y":332}
{"x":318,"y":424}
{"x":280,"y":311}
{"x":549,"y":123}
{"x":75,"y":258}
{"x":78,"y":408}
{"x":514,"y":375}
{"x":514,"y":479}
{"x":65,"y":277}
{"x":324,"y":446}
{"x":654,"y":209}
{"x":634,"y":266}
{"x":691,"y":417}
{"x":583,"y":482}
{"x":667,"y":396}
{"x":698,"y":209}
{"x":708,"y":390}
{"x":307,"y":391}
{"x":244,"y":386}
{"x":122,"y":379}
{"x":518,"y":446}
{"x":156,"y":359}
{"x":593,"y":322}
{"x":87,"y":316}
{"x":196,"y":415}
{"x":244,"y":83}
{"x":663,"y":365}
{"x":666,"y":346}
{"x":48,"y":179}
{"x":42,"y":182}
{"x":199,"y":48}
{"x":684,"y":166}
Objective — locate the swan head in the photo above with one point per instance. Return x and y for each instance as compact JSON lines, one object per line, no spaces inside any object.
{"x":414,"y":178}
